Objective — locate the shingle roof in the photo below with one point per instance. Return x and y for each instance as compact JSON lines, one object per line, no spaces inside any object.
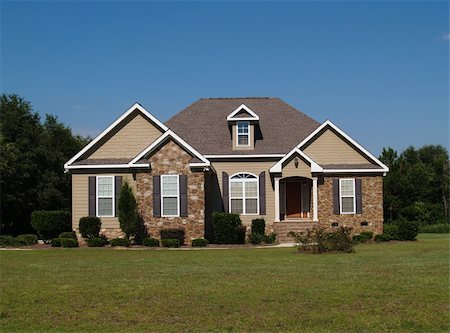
{"x":102,"y":161}
{"x":351,"y":166}
{"x":204,"y":125}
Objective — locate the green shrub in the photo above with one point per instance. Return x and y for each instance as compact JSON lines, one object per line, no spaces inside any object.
{"x":381,"y":238}
{"x":6,"y":240}
{"x":56,"y":242}
{"x":318,"y":240}
{"x":407,"y":230}
{"x":68,"y":242}
{"x":128,"y":214}
{"x":90,"y":226}
{"x":256,"y":238}
{"x":199,"y":242}
{"x":177,"y":233}
{"x":150,"y":241}
{"x":97,"y":241}
{"x":270,"y":238}
{"x":49,"y":224}
{"x":228,"y":228}
{"x":27,"y":239}
{"x":258,"y":226}
{"x":67,"y":234}
{"x":120,"y":242}
{"x":442,"y":228}
{"x":363,"y":237}
{"x":391,"y":231}
{"x":170,"y":242}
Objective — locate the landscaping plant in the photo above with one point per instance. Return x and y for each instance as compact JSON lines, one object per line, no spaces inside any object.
{"x":319,"y":240}
{"x":151,"y":242}
{"x":120,"y":242}
{"x":90,"y":226}
{"x":128,"y":214}
{"x":49,"y":224}
{"x":228,"y":228}
{"x":176,"y":233}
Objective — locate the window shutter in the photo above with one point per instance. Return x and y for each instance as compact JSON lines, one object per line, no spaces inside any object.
{"x":358,"y":193}
{"x":225,"y":191}
{"x":117,"y":189}
{"x":306,"y":197}
{"x":262,"y":193}
{"x":92,"y":196}
{"x":156,"y":196}
{"x":183,"y":196}
{"x":336,"y":208}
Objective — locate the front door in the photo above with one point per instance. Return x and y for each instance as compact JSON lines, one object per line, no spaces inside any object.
{"x":293,"y":199}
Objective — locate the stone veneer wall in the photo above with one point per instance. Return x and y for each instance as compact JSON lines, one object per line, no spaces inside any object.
{"x":372,"y":205}
{"x":172,"y":159}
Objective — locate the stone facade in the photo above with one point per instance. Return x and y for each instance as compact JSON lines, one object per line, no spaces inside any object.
{"x":372,"y":205}
{"x":172,"y":159}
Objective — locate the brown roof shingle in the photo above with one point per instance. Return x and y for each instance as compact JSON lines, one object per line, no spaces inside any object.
{"x":204,"y":125}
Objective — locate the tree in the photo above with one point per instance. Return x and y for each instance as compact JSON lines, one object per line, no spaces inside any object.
{"x":128,"y":214}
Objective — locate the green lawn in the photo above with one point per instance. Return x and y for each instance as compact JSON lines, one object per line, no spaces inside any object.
{"x":398,"y":287}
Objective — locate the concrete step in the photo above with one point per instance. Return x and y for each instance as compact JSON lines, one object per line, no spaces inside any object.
{"x":283,"y":228}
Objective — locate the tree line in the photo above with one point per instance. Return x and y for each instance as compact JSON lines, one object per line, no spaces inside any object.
{"x":33,"y":153}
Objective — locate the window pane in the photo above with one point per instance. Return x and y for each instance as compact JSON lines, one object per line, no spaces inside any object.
{"x":251,"y":206}
{"x":347,"y":188}
{"x":236,"y":189}
{"x":170,"y":185}
{"x":347,"y":205}
{"x":105,"y":206}
{"x":170,"y":206}
{"x":251,"y":189}
{"x":105,"y":186}
{"x":236,"y":206}
{"x":242,"y":140}
{"x":243,"y":128}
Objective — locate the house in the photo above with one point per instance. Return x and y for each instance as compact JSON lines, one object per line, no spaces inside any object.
{"x":258,"y":157}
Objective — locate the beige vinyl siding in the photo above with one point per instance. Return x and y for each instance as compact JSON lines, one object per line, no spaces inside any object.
{"x":251,"y":167}
{"x":329,"y":148}
{"x":252,"y":138}
{"x":80,"y":198}
{"x":303,"y":169}
{"x":130,"y":140}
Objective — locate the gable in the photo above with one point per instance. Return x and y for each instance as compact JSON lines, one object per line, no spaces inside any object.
{"x":303,"y":168}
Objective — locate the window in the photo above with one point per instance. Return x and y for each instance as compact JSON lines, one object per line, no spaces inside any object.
{"x":170,"y":195}
{"x":347,"y":196}
{"x":244,"y":196}
{"x":243,"y":133}
{"x":105,"y":196}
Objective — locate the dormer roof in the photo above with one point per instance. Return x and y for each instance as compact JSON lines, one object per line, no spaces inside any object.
{"x":242,"y":113}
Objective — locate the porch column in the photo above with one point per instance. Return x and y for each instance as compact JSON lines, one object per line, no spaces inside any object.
{"x":315,"y":200}
{"x":277,"y":199}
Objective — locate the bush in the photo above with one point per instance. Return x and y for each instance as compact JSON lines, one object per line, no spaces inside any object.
{"x":170,"y":242}
{"x":381,"y":238}
{"x":407,"y":230}
{"x":270,"y":238}
{"x":173,"y":234}
{"x":68,"y":242}
{"x":258,"y":226}
{"x":391,"y":231}
{"x":363,"y":237}
{"x":6,"y":240}
{"x":49,"y":224}
{"x":152,"y":242}
{"x":56,"y":242}
{"x":120,"y":242}
{"x":442,"y":228}
{"x":27,"y":239}
{"x":318,"y":240}
{"x":67,"y":235}
{"x":256,"y":238}
{"x":199,"y":242}
{"x":128,"y":214}
{"x":90,"y":226}
{"x":228,"y":228}
{"x":97,"y":241}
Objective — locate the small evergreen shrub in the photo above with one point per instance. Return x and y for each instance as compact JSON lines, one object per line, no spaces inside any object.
{"x":49,"y":224}
{"x":68,"y":242}
{"x":173,"y":233}
{"x":150,"y":241}
{"x":318,"y":240}
{"x":407,"y":230}
{"x":97,"y":241}
{"x":258,"y":226}
{"x":90,"y":226}
{"x":7,"y":240}
{"x":170,"y":242}
{"x":228,"y":228}
{"x":199,"y":242}
{"x":27,"y":239}
{"x":56,"y":242}
{"x":270,"y":238}
{"x":128,"y":214}
{"x":442,"y":228}
{"x":391,"y":231}
{"x":363,"y":237}
{"x":67,"y":234}
{"x":256,"y":238}
{"x":120,"y":242}
{"x":381,"y":238}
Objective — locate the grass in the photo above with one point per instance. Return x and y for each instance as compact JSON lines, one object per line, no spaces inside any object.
{"x":399,"y":287}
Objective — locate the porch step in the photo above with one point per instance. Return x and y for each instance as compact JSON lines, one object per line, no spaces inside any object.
{"x":283,"y":228}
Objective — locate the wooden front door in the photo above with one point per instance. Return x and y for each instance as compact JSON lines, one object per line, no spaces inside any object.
{"x":293,"y":199}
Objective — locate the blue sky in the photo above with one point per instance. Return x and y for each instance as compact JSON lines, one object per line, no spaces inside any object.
{"x":379,"y":70}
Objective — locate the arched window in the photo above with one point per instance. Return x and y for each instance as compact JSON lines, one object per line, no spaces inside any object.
{"x":244,"y":196}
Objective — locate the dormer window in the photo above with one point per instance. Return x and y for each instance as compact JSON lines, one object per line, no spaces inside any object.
{"x":243,"y":134}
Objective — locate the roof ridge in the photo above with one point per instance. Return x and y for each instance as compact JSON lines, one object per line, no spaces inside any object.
{"x":240,"y":98}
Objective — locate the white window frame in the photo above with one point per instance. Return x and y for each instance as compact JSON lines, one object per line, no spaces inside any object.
{"x":97,"y":196}
{"x":170,"y":196}
{"x":247,"y":123}
{"x":243,"y":181}
{"x":347,"y":196}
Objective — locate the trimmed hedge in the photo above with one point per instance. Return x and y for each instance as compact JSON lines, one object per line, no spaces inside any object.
{"x":363,"y":237}
{"x":27,"y":239}
{"x":7,"y":240}
{"x":49,"y":224}
{"x":90,"y":226}
{"x":402,"y":230}
{"x":381,"y":238}
{"x":228,"y":228}
{"x":270,"y":238}
{"x":151,"y":242}
{"x":97,"y":241}
{"x":173,"y":234}
{"x":170,"y":242}
{"x":68,"y":242}
{"x":56,"y":242}
{"x":258,"y":226}
{"x":120,"y":242}
{"x":67,"y":234}
{"x":256,"y":238}
{"x":442,"y":228}
{"x":199,"y":242}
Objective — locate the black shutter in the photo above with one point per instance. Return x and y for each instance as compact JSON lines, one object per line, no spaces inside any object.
{"x":336,"y":209}
{"x":262,"y":193}
{"x":117,"y":189}
{"x":183,"y":196}
{"x":156,"y":196}
{"x":92,"y":195}
{"x":306,"y":196}
{"x":225,"y":191}
{"x":358,"y":193}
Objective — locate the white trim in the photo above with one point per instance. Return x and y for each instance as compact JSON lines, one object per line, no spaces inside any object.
{"x":254,"y":116}
{"x":278,"y":167}
{"x":315,"y":200}
{"x":170,"y":196}
{"x":243,"y":181}
{"x":348,"y":138}
{"x":277,"y":199}
{"x":99,"y":166}
{"x":246,"y":156}
{"x":135,"y":106}
{"x":347,"y":196}
{"x":247,"y":123}
{"x":113,"y":196}
{"x":352,"y":170}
